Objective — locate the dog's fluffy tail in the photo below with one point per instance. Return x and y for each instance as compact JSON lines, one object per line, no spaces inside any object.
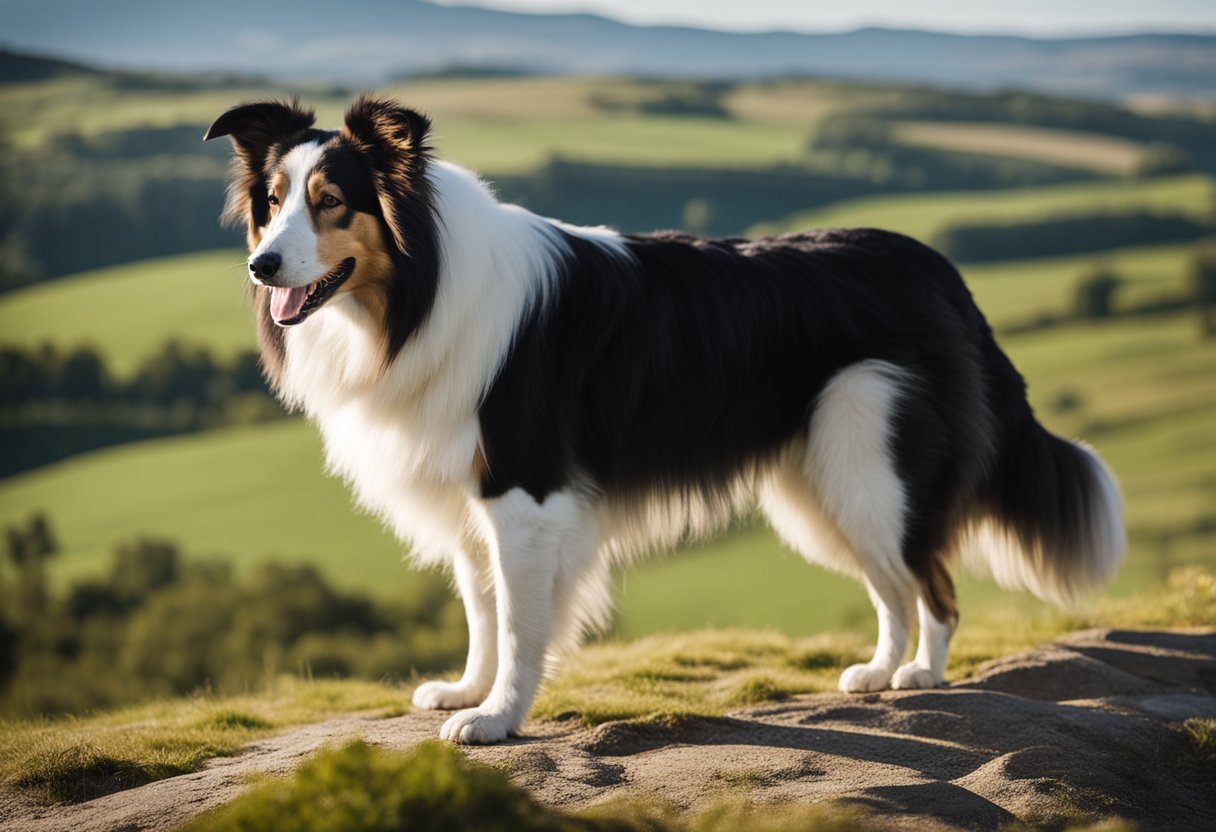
{"x":1053,"y":523}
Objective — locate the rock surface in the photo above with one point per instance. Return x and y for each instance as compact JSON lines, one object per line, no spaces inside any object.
{"x":1087,"y":724}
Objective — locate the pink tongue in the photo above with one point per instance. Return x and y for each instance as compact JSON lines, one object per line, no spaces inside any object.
{"x":285,"y":304}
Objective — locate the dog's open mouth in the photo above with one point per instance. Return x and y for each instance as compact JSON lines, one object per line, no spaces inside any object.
{"x":289,"y":307}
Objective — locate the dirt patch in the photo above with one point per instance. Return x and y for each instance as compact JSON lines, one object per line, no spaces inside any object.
{"x":1082,"y":727}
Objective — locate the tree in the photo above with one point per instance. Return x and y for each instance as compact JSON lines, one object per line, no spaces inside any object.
{"x":1202,"y":279}
{"x":29,"y":547}
{"x":1095,"y":294}
{"x":142,"y":567}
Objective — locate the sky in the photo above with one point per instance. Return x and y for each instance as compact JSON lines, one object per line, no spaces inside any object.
{"x":1029,"y":17}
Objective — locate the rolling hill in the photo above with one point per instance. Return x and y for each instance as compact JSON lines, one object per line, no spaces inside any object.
{"x":371,"y":40}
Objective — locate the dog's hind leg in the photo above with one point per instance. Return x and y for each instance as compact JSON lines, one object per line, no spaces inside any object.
{"x":539,"y":552}
{"x":476,"y":587}
{"x":851,"y":468}
{"x":928,"y":669}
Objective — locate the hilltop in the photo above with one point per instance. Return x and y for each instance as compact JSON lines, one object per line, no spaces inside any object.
{"x":1103,"y":724}
{"x":371,"y":41}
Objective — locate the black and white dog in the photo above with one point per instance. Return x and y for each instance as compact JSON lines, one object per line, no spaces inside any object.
{"x":530,"y":402}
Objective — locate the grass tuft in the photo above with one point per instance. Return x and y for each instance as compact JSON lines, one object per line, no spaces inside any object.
{"x":75,"y":773}
{"x":238,"y":719}
{"x":75,"y":759}
{"x":1199,"y":749}
{"x":358,"y":788}
{"x":702,"y":673}
{"x":759,"y":689}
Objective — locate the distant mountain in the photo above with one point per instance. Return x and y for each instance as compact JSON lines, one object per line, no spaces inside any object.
{"x":369,"y":41}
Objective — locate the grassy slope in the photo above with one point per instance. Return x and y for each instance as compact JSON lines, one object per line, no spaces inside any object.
{"x":196,"y":298}
{"x":498,"y":125}
{"x":704,"y":673}
{"x":923,"y":215}
{"x":1074,"y":148}
{"x":250,"y":493}
{"x":1013,"y":292}
{"x":511,"y":124}
{"x":77,"y":758}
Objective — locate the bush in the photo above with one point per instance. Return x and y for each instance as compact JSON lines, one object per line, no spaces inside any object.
{"x":1095,"y":295}
{"x":360,"y":789}
{"x":56,"y":403}
{"x":1073,"y":234}
{"x":159,"y":624}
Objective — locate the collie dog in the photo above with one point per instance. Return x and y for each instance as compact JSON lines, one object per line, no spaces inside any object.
{"x":529,"y":403}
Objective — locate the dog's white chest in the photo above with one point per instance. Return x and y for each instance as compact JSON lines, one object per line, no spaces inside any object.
{"x":413,"y":476}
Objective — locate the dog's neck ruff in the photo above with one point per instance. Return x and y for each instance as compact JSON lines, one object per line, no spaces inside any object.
{"x":497,"y":262}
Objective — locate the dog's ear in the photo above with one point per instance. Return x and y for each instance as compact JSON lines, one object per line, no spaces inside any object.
{"x":393,"y":139}
{"x":255,"y":128}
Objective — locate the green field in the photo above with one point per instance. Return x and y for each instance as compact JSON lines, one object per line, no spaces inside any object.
{"x":511,"y":125}
{"x":252,"y":494}
{"x":130,"y":311}
{"x":1070,"y":148}
{"x":499,"y":125}
{"x":923,"y":215}
{"x":1013,"y":292}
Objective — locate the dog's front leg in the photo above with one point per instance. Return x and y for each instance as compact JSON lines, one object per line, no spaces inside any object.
{"x":537,"y":551}
{"x":476,"y":589}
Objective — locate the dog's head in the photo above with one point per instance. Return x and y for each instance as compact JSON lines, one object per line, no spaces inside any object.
{"x":333,"y":213}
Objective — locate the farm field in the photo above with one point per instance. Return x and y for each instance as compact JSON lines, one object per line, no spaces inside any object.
{"x":923,"y":215}
{"x":1090,"y":151}
{"x":499,"y":125}
{"x":512,"y":124}
{"x":130,"y":311}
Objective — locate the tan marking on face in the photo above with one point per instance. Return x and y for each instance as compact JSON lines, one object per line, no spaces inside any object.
{"x":279,"y":183}
{"x":320,"y":187}
{"x":363,"y":240}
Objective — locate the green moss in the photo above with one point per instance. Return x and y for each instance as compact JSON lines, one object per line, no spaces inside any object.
{"x":758,"y":689}
{"x":357,"y":788}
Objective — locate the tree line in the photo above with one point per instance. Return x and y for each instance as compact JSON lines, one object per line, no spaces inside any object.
{"x":57,"y":402}
{"x":984,"y":242}
{"x":158,"y":623}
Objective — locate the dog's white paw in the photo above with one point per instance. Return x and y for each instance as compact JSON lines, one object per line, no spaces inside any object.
{"x":475,"y":726}
{"x":862,"y":678}
{"x":912,"y":676}
{"x":445,"y":696}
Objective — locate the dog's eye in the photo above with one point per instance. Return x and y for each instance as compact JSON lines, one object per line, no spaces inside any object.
{"x":272,"y":199}
{"x":330,"y":201}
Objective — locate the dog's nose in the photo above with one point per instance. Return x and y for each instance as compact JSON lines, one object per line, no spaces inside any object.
{"x":265,"y":265}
